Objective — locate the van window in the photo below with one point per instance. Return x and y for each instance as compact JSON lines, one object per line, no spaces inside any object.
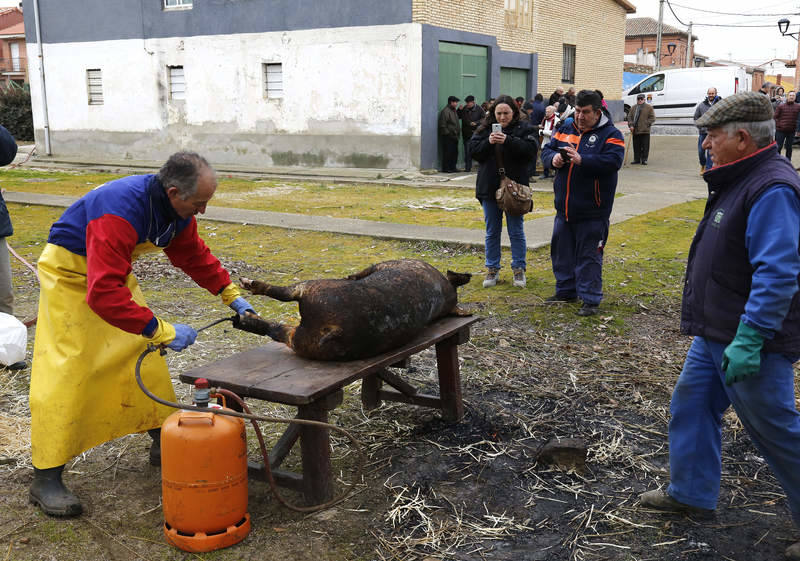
{"x":652,"y":84}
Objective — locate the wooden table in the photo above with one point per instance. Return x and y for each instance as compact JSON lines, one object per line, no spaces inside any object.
{"x":274,"y":373}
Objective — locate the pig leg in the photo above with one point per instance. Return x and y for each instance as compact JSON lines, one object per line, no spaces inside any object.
{"x":362,"y":274}
{"x":290,"y":293}
{"x":278,"y":331}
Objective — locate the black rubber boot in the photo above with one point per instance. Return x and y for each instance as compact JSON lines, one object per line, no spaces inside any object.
{"x":155,"y":447}
{"x":49,"y":493}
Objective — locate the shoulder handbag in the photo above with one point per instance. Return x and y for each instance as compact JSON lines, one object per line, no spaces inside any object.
{"x":512,"y":198}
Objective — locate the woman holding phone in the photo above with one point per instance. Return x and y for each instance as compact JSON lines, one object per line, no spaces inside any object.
{"x":502,"y":131}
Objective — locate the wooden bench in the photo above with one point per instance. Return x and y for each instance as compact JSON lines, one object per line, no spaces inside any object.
{"x":274,"y":373}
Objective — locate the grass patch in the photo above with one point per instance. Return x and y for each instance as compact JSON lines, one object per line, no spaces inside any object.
{"x":454,"y":208}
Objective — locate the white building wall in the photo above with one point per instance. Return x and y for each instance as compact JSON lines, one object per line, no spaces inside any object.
{"x":351,"y":96}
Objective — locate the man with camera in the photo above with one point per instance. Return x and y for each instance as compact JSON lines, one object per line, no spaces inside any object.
{"x":586,"y":155}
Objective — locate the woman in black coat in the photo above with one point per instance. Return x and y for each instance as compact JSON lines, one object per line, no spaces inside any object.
{"x":518,"y":143}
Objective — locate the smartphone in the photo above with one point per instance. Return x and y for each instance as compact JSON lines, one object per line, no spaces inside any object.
{"x":497,"y":127}
{"x":564,"y":155}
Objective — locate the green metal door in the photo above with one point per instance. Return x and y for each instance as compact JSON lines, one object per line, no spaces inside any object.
{"x":514,"y":82}
{"x":463,"y":71}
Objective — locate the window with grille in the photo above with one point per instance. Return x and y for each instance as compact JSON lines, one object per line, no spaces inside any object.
{"x":518,"y":14}
{"x":177,"y":82}
{"x":177,"y":4}
{"x":273,"y":80}
{"x":568,"y":67}
{"x":94,"y":84}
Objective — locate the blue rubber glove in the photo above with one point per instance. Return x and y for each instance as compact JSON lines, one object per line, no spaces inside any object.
{"x":184,"y":336}
{"x":742,"y":358}
{"x":240,"y":306}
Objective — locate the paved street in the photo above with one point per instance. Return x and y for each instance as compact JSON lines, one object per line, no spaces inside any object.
{"x":670,"y":178}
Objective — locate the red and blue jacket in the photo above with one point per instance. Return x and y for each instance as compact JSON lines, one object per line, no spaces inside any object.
{"x":108,"y":224}
{"x":586,"y":192}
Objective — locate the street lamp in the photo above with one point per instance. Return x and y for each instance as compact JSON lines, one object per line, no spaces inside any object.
{"x":670,"y":50}
{"x":783,"y":27}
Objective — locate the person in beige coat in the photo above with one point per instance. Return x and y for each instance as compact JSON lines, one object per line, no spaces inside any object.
{"x":640,"y":118}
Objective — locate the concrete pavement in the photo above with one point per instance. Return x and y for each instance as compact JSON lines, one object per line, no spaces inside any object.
{"x":672,"y":177}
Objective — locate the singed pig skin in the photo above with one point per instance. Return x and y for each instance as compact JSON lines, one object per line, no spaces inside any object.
{"x":366,"y":314}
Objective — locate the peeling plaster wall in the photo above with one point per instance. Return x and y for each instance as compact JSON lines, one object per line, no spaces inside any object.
{"x":351,"y":98}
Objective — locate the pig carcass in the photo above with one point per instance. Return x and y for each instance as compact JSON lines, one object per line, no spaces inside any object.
{"x":378,"y":309}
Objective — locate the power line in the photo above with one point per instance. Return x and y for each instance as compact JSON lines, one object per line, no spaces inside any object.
{"x":669,"y":5}
{"x":735,"y":13}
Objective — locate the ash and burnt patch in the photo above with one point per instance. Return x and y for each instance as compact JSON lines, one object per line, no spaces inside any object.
{"x":477,"y":490}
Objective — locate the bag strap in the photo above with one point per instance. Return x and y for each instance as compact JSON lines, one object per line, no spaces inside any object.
{"x":498,"y":155}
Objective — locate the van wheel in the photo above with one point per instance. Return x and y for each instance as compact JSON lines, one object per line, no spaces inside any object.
{"x":627,"y":108}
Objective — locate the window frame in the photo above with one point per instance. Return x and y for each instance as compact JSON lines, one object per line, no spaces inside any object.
{"x":265,"y":72}
{"x":94,"y":99}
{"x":567,"y":65}
{"x":171,"y":81}
{"x":181,"y":5}
{"x":519,"y":14}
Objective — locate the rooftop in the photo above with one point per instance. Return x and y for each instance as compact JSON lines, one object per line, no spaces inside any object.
{"x":645,"y":27}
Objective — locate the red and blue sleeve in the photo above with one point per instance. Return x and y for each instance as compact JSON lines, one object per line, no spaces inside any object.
{"x":110,"y":241}
{"x":189,"y":253}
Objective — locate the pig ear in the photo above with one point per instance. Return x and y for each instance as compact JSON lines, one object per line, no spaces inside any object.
{"x":457,"y":279}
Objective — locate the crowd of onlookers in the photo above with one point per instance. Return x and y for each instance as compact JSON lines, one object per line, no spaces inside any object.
{"x":457,"y":119}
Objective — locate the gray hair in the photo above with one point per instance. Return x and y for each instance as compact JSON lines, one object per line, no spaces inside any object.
{"x":762,"y":132}
{"x":181,"y":171}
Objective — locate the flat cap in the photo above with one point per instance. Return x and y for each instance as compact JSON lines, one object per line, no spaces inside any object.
{"x":743,"y":107}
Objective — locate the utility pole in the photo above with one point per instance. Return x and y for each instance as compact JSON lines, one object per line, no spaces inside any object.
{"x":796,"y":69}
{"x":658,"y":35}
{"x":689,"y":49}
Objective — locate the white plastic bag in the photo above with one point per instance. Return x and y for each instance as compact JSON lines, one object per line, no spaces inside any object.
{"x":13,"y":339}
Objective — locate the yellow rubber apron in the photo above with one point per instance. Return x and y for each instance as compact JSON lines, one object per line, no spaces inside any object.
{"x":83,"y":387}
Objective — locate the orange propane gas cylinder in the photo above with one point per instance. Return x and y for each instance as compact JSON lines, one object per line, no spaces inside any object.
{"x":204,"y":478}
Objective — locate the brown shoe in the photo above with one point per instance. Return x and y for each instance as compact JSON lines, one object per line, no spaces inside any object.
{"x":792,"y":552}
{"x":660,"y":500}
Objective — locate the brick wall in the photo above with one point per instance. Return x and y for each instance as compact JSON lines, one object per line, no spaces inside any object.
{"x":678,"y":58}
{"x":599,"y":36}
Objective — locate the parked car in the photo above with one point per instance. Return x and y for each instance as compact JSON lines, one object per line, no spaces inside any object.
{"x":676,"y":93}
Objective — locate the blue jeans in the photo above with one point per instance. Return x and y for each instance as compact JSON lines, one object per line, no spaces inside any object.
{"x":764,"y":404}
{"x":493,"y":217}
{"x":576,"y":251}
{"x":705,"y":157}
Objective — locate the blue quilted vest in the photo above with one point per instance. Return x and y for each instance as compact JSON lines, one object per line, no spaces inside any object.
{"x":719,"y":274}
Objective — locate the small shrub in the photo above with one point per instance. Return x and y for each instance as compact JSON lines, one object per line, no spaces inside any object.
{"x":15,"y":111}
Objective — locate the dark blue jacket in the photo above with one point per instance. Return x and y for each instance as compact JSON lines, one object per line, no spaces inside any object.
{"x":586,"y":192}
{"x":744,"y":263}
{"x":8,"y":149}
{"x":537,"y":115}
{"x":519,"y":149}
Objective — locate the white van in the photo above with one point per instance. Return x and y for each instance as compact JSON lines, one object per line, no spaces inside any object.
{"x":676,"y":93}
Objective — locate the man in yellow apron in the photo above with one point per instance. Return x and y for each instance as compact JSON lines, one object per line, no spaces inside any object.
{"x":94,"y":322}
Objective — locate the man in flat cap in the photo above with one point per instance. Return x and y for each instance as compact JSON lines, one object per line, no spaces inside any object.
{"x":640,"y":118}
{"x":448,"y":134}
{"x":741,"y":304}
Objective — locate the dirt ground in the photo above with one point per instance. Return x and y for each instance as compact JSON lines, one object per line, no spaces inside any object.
{"x":433,"y":490}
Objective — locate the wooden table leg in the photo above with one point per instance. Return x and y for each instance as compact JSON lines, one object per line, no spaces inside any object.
{"x":316,"y":450}
{"x":449,"y":378}
{"x":370,"y":386}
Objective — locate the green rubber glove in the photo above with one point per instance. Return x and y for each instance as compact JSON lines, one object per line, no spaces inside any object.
{"x":742,"y":358}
